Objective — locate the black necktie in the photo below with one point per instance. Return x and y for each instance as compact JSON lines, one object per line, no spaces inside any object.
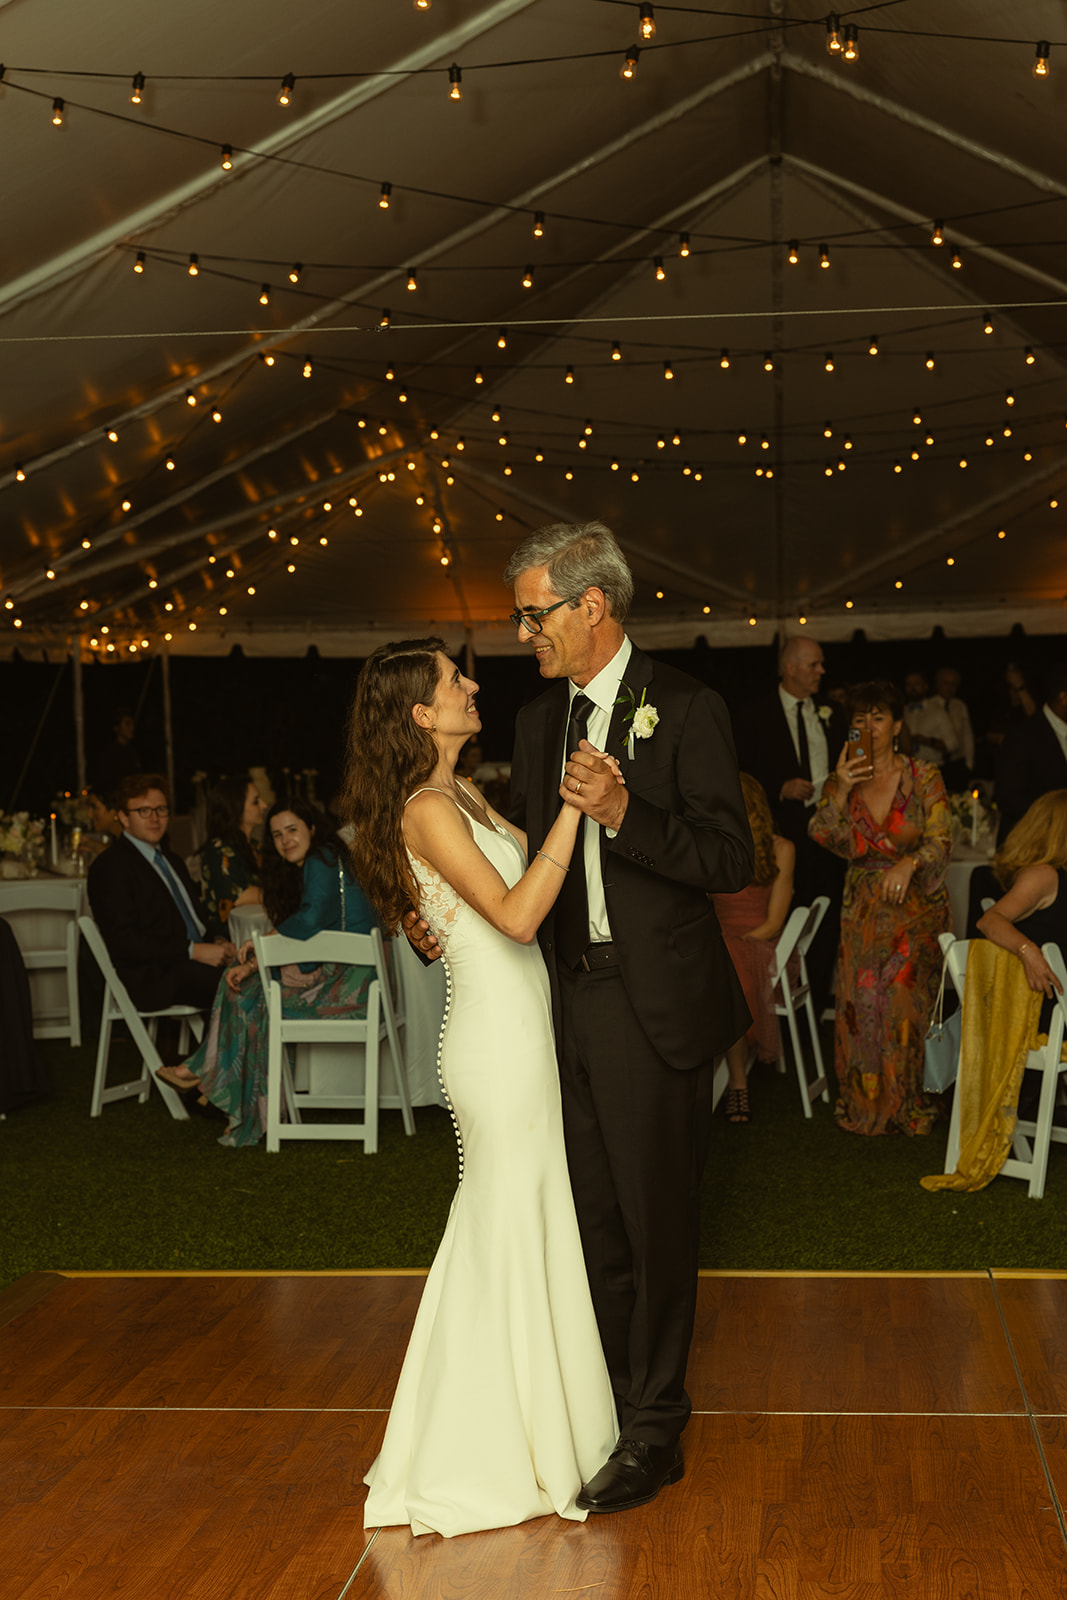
{"x":572,"y":907}
{"x":802,"y":743}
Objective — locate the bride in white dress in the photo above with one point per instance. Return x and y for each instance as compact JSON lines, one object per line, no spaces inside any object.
{"x":504,"y":1406}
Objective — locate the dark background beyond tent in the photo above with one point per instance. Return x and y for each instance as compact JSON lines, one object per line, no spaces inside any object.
{"x":232,"y":712}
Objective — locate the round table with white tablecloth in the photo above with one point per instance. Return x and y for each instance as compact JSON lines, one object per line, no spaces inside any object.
{"x":424,"y":1005}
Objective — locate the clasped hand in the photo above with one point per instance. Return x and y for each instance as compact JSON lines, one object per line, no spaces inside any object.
{"x":593,"y":783}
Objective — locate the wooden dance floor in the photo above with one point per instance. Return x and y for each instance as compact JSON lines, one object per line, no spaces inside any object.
{"x":205,"y":1437}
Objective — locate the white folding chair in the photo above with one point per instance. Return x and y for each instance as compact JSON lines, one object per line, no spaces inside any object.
{"x":1031,"y":1140}
{"x":143,"y":1026}
{"x":52,"y":901}
{"x":380,"y":1022}
{"x":796,"y":938}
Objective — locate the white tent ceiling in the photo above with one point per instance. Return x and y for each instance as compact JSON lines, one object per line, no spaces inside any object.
{"x":737,"y":130}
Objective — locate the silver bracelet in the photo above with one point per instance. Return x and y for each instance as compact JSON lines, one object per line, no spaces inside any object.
{"x":553,"y":860}
{"x":1021,"y":948}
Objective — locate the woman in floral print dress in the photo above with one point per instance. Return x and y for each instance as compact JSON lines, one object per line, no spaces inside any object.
{"x":892,"y":827}
{"x":230,"y":860}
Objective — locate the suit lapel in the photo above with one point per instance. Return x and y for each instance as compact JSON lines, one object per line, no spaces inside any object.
{"x":636,"y":678}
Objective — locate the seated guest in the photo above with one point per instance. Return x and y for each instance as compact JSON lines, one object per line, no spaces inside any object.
{"x":887,"y":815}
{"x":959,"y":767}
{"x":1033,"y":757}
{"x":229,"y":861}
{"x":147,"y":909}
{"x":104,"y":827}
{"x":1031,"y":866}
{"x":751,"y":921}
{"x":308,"y":888}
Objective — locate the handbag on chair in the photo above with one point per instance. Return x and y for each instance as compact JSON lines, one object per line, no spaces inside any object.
{"x":941,"y":1054}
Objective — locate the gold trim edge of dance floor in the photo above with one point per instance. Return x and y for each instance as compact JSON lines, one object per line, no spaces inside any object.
{"x":421,"y":1272}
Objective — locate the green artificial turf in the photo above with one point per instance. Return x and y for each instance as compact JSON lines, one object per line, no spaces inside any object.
{"x":134,"y":1190}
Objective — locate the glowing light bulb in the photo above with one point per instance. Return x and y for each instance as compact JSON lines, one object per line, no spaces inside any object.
{"x":833,"y":34}
{"x":264,"y":294}
{"x":872,"y":348}
{"x":616,"y":350}
{"x":724,"y":360}
{"x":295,"y":270}
{"x":226,"y":158}
{"x":527,"y":278}
{"x":502,"y":339}
{"x":658,"y":265}
{"x":194,"y":265}
{"x":1029,"y":357}
{"x":628,"y":70}
{"x":1040,"y":67}
{"x":768,"y":362}
{"x":850,"y":50}
{"x":138,"y":265}
{"x":455,"y":79}
{"x":794,"y":253}
{"x":190,"y":398}
{"x":930,"y":361}
{"x":383,"y":320}
{"x":539,"y":224}
{"x":307,"y":367}
{"x":269,"y":359}
{"x":668,"y":370}
{"x":987,"y":323}
{"x":938,"y":235}
{"x":112,"y":435}
{"x":683,"y":245}
{"x":413,"y":279}
{"x":828,"y":364}
{"x":647,"y":22}
{"x":135,"y":91}
{"x":957,"y":260}
{"x":216,"y":415}
{"x":57,"y":112}
{"x":824,"y":256}
{"x":286,"y":91}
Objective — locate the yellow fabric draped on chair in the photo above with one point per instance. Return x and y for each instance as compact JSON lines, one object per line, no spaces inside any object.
{"x":1000,"y":1015}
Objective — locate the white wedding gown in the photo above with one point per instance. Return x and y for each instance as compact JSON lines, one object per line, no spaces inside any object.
{"x":504,"y":1405}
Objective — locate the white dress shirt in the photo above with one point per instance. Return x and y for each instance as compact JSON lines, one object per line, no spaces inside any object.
{"x":818,"y":742}
{"x":1058,"y":726}
{"x":927,"y":719}
{"x":149,"y":853}
{"x":603,"y":691}
{"x":960,"y":719}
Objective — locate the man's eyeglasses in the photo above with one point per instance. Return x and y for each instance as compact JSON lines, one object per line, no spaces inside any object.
{"x":531,"y":620}
{"x":150,"y":811}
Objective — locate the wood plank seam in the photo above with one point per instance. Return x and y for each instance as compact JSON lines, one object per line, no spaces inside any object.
{"x":1035,"y":1431}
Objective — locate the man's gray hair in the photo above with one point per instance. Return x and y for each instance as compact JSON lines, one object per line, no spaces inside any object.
{"x":579,"y":556}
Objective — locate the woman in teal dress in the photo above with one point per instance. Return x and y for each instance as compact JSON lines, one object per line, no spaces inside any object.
{"x":230,"y":859}
{"x":308,"y":888}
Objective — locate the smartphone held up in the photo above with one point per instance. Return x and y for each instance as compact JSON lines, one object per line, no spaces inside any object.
{"x":860,"y":749}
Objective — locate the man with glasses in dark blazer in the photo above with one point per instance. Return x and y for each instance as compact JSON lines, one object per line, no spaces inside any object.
{"x":147,"y":909}
{"x":644,"y":993}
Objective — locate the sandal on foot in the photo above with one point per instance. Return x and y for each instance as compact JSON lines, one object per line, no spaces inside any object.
{"x":173,"y":1077}
{"x":737,"y":1109}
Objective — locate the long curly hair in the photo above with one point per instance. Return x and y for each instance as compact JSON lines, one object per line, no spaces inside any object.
{"x":1038,"y":839}
{"x":762,"y":824}
{"x":283,"y":881}
{"x":389,"y":755}
{"x":225,"y":808}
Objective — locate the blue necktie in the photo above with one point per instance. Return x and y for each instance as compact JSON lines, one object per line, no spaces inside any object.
{"x":179,"y":899}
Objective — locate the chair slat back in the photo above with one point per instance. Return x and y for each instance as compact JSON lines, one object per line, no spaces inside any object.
{"x":48,"y":896}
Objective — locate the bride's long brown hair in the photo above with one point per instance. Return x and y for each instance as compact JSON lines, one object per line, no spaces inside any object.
{"x":389,"y":755}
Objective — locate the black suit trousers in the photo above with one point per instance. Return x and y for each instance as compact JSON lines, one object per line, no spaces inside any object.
{"x":637,"y":1133}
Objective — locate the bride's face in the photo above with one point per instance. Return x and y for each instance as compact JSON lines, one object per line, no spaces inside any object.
{"x":453,"y":710}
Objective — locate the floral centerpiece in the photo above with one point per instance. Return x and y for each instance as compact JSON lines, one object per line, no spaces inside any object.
{"x":72,"y":810}
{"x":21,"y":840}
{"x":973,"y":822}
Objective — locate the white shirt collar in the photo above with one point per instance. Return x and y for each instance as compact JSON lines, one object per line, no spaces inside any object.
{"x":791,"y":700}
{"x":603,"y":690}
{"x":146,"y":849}
{"x":1057,"y":724}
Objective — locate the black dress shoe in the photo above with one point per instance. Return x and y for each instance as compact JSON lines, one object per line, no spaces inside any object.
{"x":633,"y":1475}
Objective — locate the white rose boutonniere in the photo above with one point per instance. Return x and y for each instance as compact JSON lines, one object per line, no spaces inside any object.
{"x":825,"y":713}
{"x":640,"y":717}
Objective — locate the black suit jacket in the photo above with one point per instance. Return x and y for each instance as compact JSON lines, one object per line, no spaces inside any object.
{"x":142,"y":927}
{"x":685,"y":834}
{"x":766,"y":750}
{"x":1030,"y":763}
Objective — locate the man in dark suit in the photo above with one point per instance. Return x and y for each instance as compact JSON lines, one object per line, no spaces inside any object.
{"x":147,"y":909}
{"x":790,"y":740}
{"x":1033,"y":758}
{"x":644,"y":993}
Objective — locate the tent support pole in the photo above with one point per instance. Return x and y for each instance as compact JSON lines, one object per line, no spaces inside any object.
{"x":37,"y":734}
{"x":168,"y":727}
{"x":79,"y":713}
